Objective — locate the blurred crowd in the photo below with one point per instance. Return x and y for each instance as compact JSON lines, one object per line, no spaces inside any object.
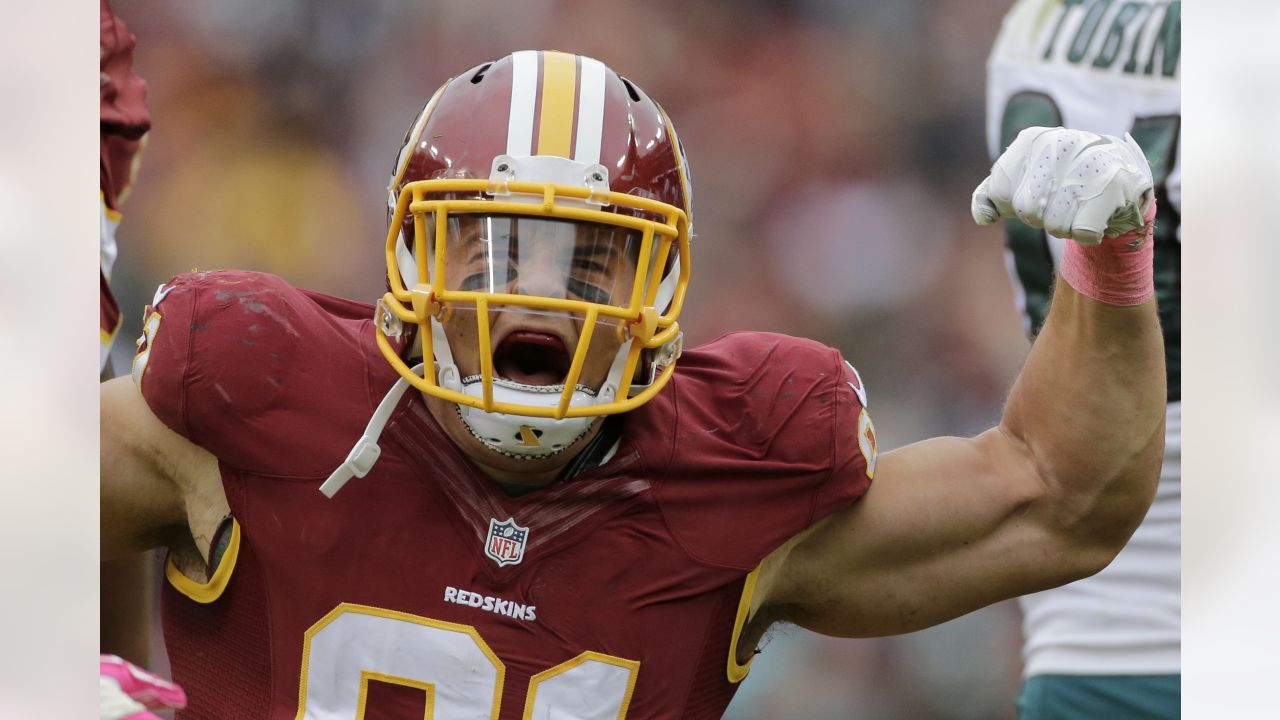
{"x":833,"y":147}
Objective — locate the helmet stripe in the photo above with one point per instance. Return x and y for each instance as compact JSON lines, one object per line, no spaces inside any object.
{"x":555,"y":119}
{"x":682,"y":166}
{"x":402,"y":162}
{"x":524,"y":95}
{"x":590,"y":112}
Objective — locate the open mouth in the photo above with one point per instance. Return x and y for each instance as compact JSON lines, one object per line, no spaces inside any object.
{"x":532,"y":358}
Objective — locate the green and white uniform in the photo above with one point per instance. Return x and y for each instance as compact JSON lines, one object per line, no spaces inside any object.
{"x":1111,"y":67}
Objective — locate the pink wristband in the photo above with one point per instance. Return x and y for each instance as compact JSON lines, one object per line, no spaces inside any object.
{"x":1114,"y":271}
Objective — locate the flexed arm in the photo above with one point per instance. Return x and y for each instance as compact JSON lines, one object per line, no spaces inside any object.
{"x":1052,"y":493}
{"x":1087,"y":406}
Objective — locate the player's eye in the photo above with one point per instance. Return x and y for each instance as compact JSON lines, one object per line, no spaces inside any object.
{"x":495,"y":279}
{"x":588,"y":292}
{"x":589,"y":265}
{"x":474,"y":282}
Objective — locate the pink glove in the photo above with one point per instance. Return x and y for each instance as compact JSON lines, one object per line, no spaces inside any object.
{"x":127,"y":692}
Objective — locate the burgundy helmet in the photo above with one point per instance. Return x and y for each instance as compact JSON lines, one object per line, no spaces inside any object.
{"x":539,"y":160}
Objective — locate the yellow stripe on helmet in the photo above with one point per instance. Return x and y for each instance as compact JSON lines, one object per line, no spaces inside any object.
{"x":559,"y":85}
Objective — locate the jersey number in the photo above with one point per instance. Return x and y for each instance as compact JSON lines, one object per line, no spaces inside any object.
{"x":145,"y":343}
{"x":457,"y":672}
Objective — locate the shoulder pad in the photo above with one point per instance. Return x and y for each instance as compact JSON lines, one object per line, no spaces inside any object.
{"x":249,"y":367}
{"x":769,"y":440}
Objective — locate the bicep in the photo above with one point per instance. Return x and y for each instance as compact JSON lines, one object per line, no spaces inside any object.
{"x":142,"y":466}
{"x":949,"y":525}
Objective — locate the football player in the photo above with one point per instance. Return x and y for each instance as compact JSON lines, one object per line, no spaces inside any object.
{"x":1108,"y":646}
{"x":124,"y":121}
{"x":554,"y":510}
{"x":126,"y":691}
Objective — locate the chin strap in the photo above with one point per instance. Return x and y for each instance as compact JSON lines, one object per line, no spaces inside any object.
{"x":446,"y":370}
{"x":447,"y":374}
{"x":667,"y":288}
{"x":366,"y":451}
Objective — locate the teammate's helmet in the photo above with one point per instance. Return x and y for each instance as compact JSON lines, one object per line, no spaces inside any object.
{"x":542,"y":185}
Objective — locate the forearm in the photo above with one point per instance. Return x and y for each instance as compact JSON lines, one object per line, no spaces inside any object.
{"x":1089,"y":409}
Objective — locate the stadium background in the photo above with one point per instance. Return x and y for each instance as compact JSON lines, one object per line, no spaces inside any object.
{"x":833,"y":146}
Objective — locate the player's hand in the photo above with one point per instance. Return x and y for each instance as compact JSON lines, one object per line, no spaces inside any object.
{"x":127,"y":692}
{"x":1072,"y":183}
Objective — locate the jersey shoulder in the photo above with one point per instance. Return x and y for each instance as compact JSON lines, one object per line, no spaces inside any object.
{"x":757,"y":383}
{"x":766,"y":443}
{"x":268,"y":377}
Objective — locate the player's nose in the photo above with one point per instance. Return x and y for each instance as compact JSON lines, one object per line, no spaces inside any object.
{"x":540,"y":274}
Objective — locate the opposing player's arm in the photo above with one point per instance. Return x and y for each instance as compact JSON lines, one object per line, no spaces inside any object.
{"x":148,"y":474}
{"x":1047,"y":497}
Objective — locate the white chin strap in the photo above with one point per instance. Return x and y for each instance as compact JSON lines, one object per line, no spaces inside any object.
{"x":366,"y":451}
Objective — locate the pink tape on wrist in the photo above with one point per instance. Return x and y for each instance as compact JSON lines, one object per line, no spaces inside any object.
{"x":1114,"y":271}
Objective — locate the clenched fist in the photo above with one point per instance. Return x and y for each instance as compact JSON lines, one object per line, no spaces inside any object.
{"x":1072,"y":183}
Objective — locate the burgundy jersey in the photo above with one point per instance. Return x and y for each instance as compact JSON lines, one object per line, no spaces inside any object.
{"x":422,"y":587}
{"x":123,"y":119}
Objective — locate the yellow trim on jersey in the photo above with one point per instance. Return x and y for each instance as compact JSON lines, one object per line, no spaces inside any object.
{"x":736,"y":671}
{"x":150,"y":326}
{"x":207,"y":592}
{"x":109,"y":337}
{"x":559,"y":85}
{"x":426,"y":687}
{"x":342,"y":608}
{"x":135,"y":163}
{"x":112,"y":215}
{"x":631,"y":666}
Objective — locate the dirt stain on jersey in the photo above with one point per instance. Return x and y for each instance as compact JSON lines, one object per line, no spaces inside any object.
{"x":249,"y":301}
{"x":256,"y":306}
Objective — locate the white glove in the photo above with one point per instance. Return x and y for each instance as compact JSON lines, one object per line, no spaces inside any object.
{"x":127,"y":692}
{"x":1072,"y":183}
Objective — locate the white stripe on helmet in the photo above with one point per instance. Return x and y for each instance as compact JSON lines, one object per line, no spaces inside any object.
{"x":524,"y":95}
{"x":590,"y":112}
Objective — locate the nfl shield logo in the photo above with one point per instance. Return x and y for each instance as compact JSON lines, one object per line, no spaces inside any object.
{"x":506,"y":541}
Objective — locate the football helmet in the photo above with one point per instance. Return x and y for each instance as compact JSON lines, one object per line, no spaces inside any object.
{"x":538,"y":247}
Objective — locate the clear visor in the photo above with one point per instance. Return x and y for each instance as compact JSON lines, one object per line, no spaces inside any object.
{"x":535,"y":256}
{"x":563,"y":300}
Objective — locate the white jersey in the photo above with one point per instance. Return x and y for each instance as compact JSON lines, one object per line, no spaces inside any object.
{"x":1109,"y":67}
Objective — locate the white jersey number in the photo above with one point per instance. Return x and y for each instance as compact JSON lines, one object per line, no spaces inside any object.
{"x":459,"y":675}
